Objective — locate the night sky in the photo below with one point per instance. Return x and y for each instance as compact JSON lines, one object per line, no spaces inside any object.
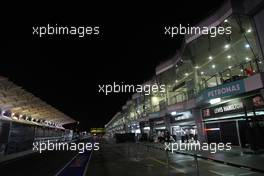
{"x":65,"y":71}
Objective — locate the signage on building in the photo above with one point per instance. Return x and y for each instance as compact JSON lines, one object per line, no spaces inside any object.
{"x":227,"y":108}
{"x":180,"y":116}
{"x":224,"y":90}
{"x":161,"y":122}
{"x":222,"y":109}
{"x":157,"y":121}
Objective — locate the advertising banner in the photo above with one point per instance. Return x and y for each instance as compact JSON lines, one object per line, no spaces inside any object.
{"x":228,"y":89}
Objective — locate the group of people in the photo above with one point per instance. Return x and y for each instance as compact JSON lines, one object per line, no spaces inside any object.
{"x":188,"y":135}
{"x":163,"y":136}
{"x":184,"y":135}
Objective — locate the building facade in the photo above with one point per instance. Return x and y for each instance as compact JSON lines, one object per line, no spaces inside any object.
{"x":214,"y":85}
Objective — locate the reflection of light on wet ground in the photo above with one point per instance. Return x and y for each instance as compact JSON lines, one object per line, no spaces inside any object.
{"x":165,"y":164}
{"x":132,"y":159}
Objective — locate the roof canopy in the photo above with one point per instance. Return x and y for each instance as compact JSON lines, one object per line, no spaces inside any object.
{"x":24,"y":106}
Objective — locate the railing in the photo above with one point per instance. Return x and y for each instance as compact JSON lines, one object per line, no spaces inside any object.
{"x":237,"y":72}
{"x":234,"y":73}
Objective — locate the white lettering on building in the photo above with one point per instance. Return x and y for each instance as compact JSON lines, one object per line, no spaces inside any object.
{"x":224,"y":90}
{"x":231,"y":107}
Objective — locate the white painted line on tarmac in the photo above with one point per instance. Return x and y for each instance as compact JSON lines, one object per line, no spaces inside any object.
{"x":182,"y":160}
{"x":218,"y":173}
{"x":249,"y":173}
{"x":87,"y":164}
{"x":66,"y":165}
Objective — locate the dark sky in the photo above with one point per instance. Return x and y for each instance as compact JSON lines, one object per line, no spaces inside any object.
{"x":65,"y":71}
